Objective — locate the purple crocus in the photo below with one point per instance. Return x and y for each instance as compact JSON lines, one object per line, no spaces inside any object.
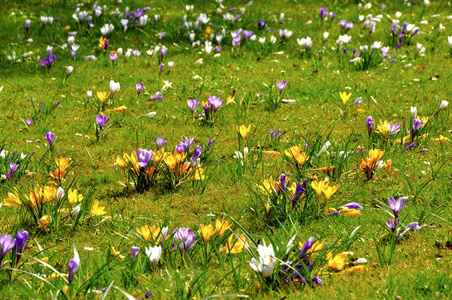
{"x":139,"y":13}
{"x":410,"y":146}
{"x":393,"y":128}
{"x":113,"y":56}
{"x":101,"y":121}
{"x":247,"y":34}
{"x":50,"y":137}
{"x":21,"y":240}
{"x":352,"y":205}
{"x":282,"y":184}
{"x":7,"y":243}
{"x":370,"y":124}
{"x":343,"y":23}
{"x":184,"y":238}
{"x":135,"y":251}
{"x":196,"y":154}
{"x":27,"y":25}
{"x":139,"y":87}
{"x":397,"y":206}
{"x":323,"y":12}
{"x":160,"y":141}
{"x":209,"y":143}
{"x":12,"y":168}
{"x":358,"y":101}
{"x":73,"y":265}
{"x":281,"y":85}
{"x":275,"y":134}
{"x":161,"y":67}
{"x":193,"y":104}
{"x":416,"y":125}
{"x":48,"y":61}
{"x":217,"y":49}
{"x":144,"y":156}
{"x":414,"y":225}
{"x":261,"y":24}
{"x":391,"y":224}
{"x":136,"y":53}
{"x":215,"y":102}
{"x":163,"y":51}
{"x":306,"y":246}
{"x":157,"y":96}
{"x":300,"y":189}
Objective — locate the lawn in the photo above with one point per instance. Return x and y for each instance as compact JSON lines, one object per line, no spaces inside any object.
{"x":202,"y":149}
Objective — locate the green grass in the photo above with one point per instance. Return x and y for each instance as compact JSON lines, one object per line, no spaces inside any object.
{"x":420,"y":262}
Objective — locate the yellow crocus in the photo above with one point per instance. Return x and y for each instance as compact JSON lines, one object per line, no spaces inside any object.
{"x":222,"y":226}
{"x":102,"y":96}
{"x":301,"y":158}
{"x":352,"y":270}
{"x":238,"y":247}
{"x":117,"y":254}
{"x":338,"y":262}
{"x":244,"y":131}
{"x":328,"y":191}
{"x":74,"y":196}
{"x":13,"y":199}
{"x":383,"y":128}
{"x":318,"y":187}
{"x":149,"y":232}
{"x":97,"y":210}
{"x":441,"y":139}
{"x":207,"y":231}
{"x":49,"y":193}
{"x":345,"y":97}
{"x":292,"y":151}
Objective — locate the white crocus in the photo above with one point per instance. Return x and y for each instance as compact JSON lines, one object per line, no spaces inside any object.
{"x":266,"y":262}
{"x":325,"y":35}
{"x":208,"y":47}
{"x":327,"y":144}
{"x":343,"y":39}
{"x":114,"y":87}
{"x":443,"y":105}
{"x":107,"y":29}
{"x":154,"y":253}
{"x":60,"y":194}
{"x":413,"y":112}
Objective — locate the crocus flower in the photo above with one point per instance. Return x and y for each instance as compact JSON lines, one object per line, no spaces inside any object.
{"x":352,"y":205}
{"x":114,"y":87}
{"x":157,"y":96}
{"x":50,"y":137}
{"x":29,"y":121}
{"x":275,"y":134}
{"x":139,"y":87}
{"x":154,"y":253}
{"x":101,"y":121}
{"x":163,"y":51}
{"x":135,"y":251}
{"x":161,"y":67}
{"x":215,"y":102}
{"x":414,"y":225}
{"x":306,"y":246}
{"x":193,"y":104}
{"x":196,"y":155}
{"x":410,"y":146}
{"x":184,"y":237}
{"x":21,"y":240}
{"x":12,"y":168}
{"x":266,"y":262}
{"x":281,"y":85}
{"x":358,"y":101}
{"x":160,"y":141}
{"x":397,"y":206}
{"x":113,"y":56}
{"x":416,"y":125}
{"x":393,"y":128}
{"x":261,"y":24}
{"x":7,"y":243}
{"x":144,"y":156}
{"x":89,"y":57}
{"x":323,"y":12}
{"x":27,"y":25}
{"x":73,"y":265}
{"x":370,"y":124}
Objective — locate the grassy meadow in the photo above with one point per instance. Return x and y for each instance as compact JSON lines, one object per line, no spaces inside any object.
{"x":225,"y":149}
